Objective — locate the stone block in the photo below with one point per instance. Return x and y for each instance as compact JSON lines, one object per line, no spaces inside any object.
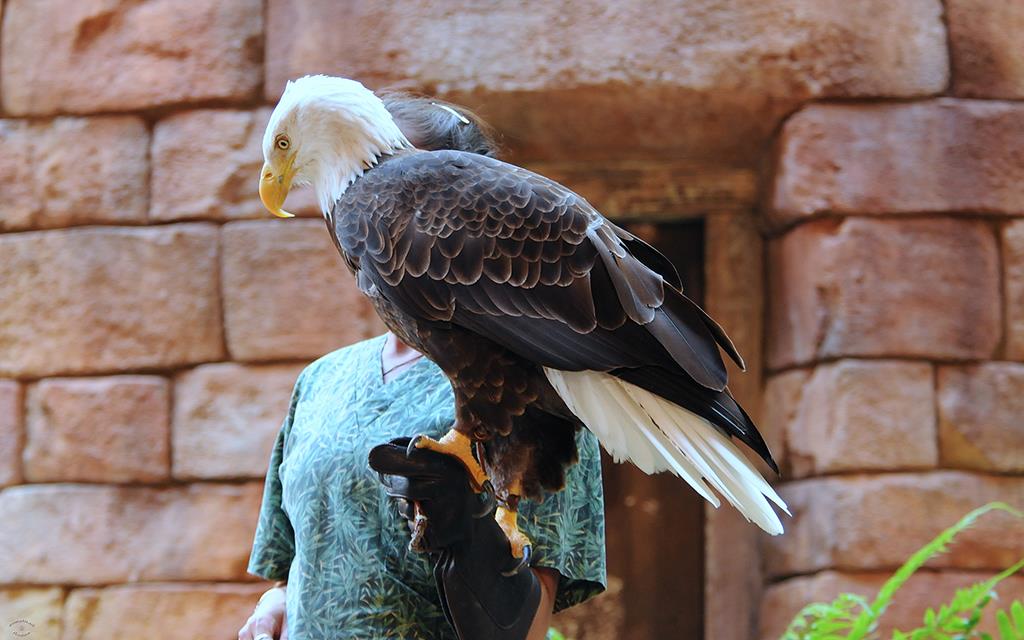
{"x":631,"y":71}
{"x":100,"y":300}
{"x":980,"y":409}
{"x":1013,"y":287}
{"x":864,"y":416}
{"x":457,"y":46}
{"x":664,"y":190}
{"x":12,"y":434}
{"x":31,"y":612}
{"x":129,"y":612}
{"x":940,"y":156}
{"x":72,"y":171}
{"x":112,"y":429}
{"x":783,"y":394}
{"x":67,"y":56}
{"x":874,"y":523}
{"x":287,"y":293}
{"x":984,"y":35}
{"x":59,"y":534}
{"x":226,"y":417}
{"x":922,"y":288}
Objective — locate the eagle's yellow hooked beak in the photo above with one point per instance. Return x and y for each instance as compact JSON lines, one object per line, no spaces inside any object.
{"x":274,"y":188}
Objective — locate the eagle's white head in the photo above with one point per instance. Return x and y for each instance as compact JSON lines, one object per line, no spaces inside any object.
{"x":325,"y":131}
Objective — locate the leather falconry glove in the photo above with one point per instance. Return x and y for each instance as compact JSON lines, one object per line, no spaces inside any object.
{"x":469,"y":549}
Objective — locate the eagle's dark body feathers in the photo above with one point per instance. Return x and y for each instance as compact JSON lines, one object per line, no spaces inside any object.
{"x":494,"y":272}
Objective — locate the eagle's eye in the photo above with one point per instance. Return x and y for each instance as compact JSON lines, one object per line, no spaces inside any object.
{"x":283,"y":142}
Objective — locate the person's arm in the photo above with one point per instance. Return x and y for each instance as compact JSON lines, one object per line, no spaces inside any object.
{"x":273,"y":546}
{"x":542,"y":619}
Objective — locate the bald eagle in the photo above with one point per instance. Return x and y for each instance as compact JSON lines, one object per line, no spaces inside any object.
{"x":545,"y":316}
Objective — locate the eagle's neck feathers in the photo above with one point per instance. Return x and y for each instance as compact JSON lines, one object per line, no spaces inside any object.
{"x":343,"y":153}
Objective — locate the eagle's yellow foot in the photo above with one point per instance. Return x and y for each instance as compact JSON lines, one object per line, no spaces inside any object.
{"x":522,"y":548}
{"x":460,"y":447}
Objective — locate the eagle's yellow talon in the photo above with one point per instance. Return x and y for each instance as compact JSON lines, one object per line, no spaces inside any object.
{"x":506,"y":519}
{"x":459,"y":446}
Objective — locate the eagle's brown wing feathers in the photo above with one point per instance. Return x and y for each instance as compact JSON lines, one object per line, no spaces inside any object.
{"x":452,"y":237}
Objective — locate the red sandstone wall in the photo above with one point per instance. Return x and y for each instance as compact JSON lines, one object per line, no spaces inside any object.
{"x":152,"y":318}
{"x":894,"y":328}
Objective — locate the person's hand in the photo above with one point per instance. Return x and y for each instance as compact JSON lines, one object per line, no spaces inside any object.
{"x":268,"y":621}
{"x":431,"y":491}
{"x":481,"y":593}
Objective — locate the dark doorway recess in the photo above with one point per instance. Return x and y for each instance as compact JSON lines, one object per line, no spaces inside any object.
{"x":655,"y":524}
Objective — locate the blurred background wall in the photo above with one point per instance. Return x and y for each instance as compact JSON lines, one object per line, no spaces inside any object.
{"x":855,"y":169}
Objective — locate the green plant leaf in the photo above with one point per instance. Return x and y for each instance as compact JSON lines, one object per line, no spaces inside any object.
{"x":961,"y":616}
{"x":957,"y":620}
{"x":1005,"y":626}
{"x":1011,"y":626}
{"x":869,"y":617}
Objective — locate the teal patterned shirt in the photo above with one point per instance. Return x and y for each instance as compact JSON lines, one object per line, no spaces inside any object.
{"x":327,"y":527}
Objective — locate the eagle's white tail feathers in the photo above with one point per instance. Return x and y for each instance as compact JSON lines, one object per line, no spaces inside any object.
{"x":657,"y":435}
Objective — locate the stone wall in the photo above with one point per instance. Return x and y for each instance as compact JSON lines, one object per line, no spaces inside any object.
{"x":152,"y":318}
{"x":894,"y":328}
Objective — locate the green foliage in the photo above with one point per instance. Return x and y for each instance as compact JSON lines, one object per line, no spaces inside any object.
{"x":851,"y":617}
{"x":1011,"y":626}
